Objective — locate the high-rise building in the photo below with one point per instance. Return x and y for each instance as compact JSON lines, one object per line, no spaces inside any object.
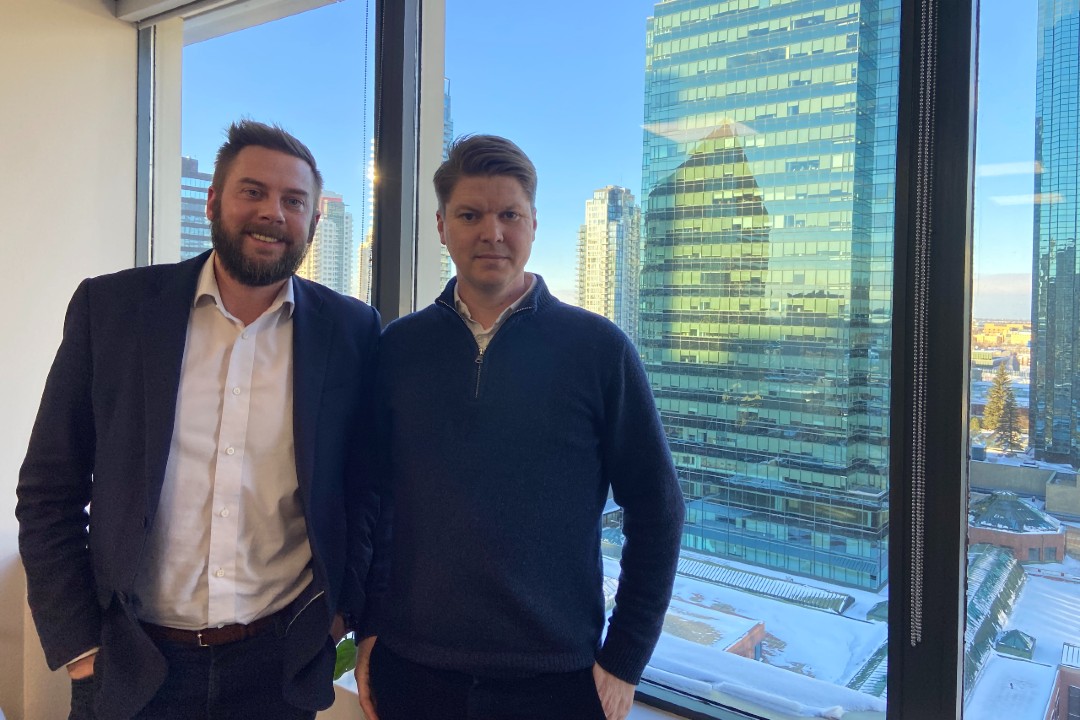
{"x":1055,"y":357}
{"x":363,"y":290}
{"x":331,"y":260}
{"x":767,"y":205}
{"x":194,"y":227}
{"x":446,"y":266}
{"x":609,"y":257}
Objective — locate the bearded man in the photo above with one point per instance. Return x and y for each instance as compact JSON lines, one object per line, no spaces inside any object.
{"x":195,"y":511}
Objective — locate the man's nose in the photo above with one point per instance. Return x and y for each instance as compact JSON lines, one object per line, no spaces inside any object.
{"x":270,"y":210}
{"x":491,"y":228}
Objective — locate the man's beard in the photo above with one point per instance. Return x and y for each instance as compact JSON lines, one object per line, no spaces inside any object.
{"x":253,"y":272}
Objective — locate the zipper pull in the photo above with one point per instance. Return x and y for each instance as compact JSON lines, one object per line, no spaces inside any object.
{"x":480,"y":357}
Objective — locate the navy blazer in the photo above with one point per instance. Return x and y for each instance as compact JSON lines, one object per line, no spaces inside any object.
{"x":102,"y":439}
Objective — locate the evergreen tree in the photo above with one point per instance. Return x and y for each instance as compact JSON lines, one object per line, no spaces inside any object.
{"x":995,"y":399}
{"x":1008,"y":426}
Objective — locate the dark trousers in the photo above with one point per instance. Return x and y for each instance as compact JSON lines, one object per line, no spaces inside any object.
{"x":405,"y":690}
{"x":239,"y":680}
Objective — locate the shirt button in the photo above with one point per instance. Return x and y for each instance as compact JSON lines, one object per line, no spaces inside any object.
{"x":236,"y":391}
{"x":243,"y":335}
{"x":230,"y":451}
{"x":225,"y":512}
{"x":219,"y":573}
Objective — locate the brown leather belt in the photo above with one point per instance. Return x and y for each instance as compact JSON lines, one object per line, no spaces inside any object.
{"x":213,"y":636}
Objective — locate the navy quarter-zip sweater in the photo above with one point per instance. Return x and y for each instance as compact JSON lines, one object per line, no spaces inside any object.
{"x":500,"y":464}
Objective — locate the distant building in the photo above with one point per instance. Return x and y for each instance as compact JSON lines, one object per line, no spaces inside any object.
{"x":609,"y":257}
{"x":363,"y":272}
{"x":1055,"y":357}
{"x":1064,"y":701}
{"x":330,"y":260}
{"x":194,"y":227}
{"x":446,"y":266}
{"x":1004,"y":520}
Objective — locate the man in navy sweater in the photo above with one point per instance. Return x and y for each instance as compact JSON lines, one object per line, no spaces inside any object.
{"x":506,"y":417}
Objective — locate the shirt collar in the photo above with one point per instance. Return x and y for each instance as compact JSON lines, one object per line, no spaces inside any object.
{"x":206,"y":290}
{"x":463,"y":309}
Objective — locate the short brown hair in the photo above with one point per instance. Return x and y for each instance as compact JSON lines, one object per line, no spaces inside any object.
{"x":485,"y":156}
{"x":272,"y":137}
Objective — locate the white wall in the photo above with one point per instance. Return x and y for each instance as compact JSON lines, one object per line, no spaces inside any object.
{"x":67,"y":149}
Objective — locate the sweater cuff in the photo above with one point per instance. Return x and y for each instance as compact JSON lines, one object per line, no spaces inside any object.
{"x":371,"y":621}
{"x":622,"y":657}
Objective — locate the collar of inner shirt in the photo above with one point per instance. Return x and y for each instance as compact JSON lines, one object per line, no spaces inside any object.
{"x":463,"y":309}
{"x":207,"y":290}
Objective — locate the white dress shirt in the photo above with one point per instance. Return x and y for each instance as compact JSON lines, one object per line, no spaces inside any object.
{"x":229,"y":541}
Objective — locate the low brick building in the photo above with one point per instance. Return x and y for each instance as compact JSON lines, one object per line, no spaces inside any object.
{"x":1005,"y":520}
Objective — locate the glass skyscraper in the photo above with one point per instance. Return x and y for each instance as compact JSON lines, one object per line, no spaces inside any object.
{"x":767,"y":202}
{"x":1055,"y":306}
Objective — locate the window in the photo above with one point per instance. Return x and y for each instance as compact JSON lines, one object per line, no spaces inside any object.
{"x":1023,"y":431}
{"x":735,"y":273}
{"x":326,"y":101}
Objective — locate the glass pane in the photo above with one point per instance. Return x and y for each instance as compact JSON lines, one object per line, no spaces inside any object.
{"x":313,"y":74}
{"x":1023,"y":640}
{"x":718,"y":179}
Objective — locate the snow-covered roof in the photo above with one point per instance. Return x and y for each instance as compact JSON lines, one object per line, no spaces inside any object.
{"x":1017,"y":639}
{"x":1006,"y":511}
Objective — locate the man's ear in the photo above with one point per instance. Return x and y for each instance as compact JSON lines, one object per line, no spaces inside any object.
{"x":314,"y":224}
{"x":439,"y":224}
{"x":210,"y":203}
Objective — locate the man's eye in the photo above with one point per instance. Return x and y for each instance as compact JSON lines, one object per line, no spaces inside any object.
{"x":251,"y":192}
{"x":467,"y":216}
{"x":511,"y":215}
{"x":294,"y":202}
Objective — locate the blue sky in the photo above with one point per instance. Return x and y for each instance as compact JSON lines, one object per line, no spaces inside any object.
{"x":567,"y":84}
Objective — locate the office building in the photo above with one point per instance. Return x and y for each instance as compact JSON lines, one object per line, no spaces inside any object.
{"x":767,"y":205}
{"x":1055,"y":356}
{"x":446,"y":265}
{"x":194,"y":227}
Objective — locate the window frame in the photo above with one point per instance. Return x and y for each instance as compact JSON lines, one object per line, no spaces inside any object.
{"x":925,"y":677}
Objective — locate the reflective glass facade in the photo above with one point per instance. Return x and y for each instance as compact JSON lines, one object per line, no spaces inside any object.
{"x":194,"y":227}
{"x":767,"y":201}
{"x":1055,"y":357}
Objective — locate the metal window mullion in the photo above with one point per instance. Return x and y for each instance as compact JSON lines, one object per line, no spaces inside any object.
{"x":144,"y":149}
{"x":397,"y":121}
{"x":930,"y":343}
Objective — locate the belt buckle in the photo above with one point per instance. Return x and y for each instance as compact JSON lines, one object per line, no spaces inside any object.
{"x":198,"y":635}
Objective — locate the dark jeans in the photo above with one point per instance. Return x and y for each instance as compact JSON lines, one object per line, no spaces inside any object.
{"x":239,"y":680}
{"x":405,"y":690}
